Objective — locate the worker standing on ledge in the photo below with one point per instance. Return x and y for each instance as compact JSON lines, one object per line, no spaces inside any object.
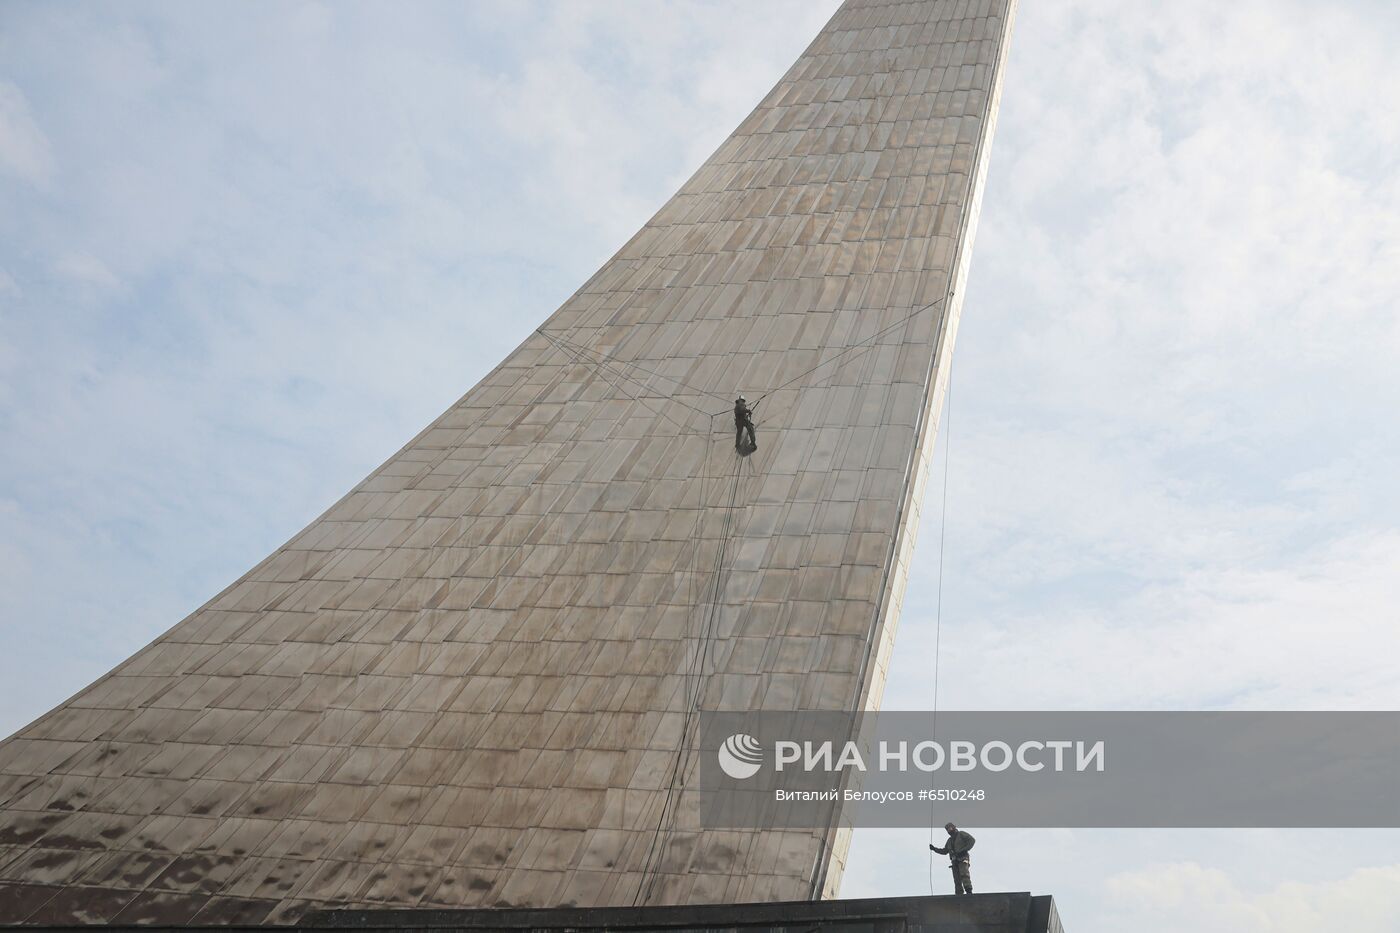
{"x":959,"y":843}
{"x":743,"y":423}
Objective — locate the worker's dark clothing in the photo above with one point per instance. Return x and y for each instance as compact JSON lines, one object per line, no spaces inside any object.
{"x":743,"y":424}
{"x":962,"y":876}
{"x":959,"y":843}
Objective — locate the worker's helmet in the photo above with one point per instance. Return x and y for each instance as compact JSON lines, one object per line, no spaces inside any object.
{"x":740,"y":399}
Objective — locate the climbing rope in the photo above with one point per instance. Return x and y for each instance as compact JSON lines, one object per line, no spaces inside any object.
{"x":612,"y":379}
{"x":694,"y":686}
{"x":616,"y":371}
{"x":693,"y":694}
{"x":861,"y":346}
{"x":938,"y":604}
{"x":620,"y":368}
{"x":604,"y":360}
{"x":633,"y":363}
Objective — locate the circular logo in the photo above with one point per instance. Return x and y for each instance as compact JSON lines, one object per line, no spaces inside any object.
{"x":740,"y":756}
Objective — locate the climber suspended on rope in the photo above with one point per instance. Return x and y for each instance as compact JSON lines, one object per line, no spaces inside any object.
{"x":743,"y":424}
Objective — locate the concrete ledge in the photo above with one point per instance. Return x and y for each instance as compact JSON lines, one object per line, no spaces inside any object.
{"x":972,"y":913}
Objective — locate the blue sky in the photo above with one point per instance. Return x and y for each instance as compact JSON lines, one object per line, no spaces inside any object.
{"x":246,"y":250}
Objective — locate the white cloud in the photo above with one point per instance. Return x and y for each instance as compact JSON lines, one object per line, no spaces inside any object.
{"x":24,"y":149}
{"x":1175,"y":373}
{"x":1185,"y":895}
{"x":84,"y":269}
{"x":1317,"y":633}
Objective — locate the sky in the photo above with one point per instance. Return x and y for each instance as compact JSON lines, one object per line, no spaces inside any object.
{"x":247,"y":250}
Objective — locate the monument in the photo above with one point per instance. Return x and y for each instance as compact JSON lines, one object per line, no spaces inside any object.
{"x":472,"y":682}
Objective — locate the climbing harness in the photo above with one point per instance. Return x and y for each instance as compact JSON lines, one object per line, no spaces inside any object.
{"x":743,"y":426}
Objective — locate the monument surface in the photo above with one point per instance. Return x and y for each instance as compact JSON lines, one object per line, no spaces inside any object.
{"x":473,"y":681}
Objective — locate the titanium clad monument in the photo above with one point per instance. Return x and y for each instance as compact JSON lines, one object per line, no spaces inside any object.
{"x":473,"y":680}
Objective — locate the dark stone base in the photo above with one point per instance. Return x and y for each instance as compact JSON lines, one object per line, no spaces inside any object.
{"x":969,"y":913}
